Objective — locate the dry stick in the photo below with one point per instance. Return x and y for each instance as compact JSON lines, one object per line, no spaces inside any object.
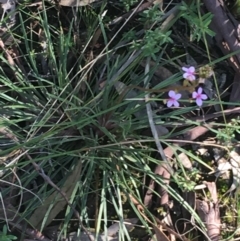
{"x":227,"y":38}
{"x":46,"y":178}
{"x":226,"y":27}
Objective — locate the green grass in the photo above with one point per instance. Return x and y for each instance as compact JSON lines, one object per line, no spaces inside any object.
{"x":77,"y":132}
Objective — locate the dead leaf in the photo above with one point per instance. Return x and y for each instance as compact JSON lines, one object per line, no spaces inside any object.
{"x":235,"y":163}
{"x":161,"y":170}
{"x":9,"y":6}
{"x":55,"y":201}
{"x":223,"y":170}
{"x":185,"y":161}
{"x":95,"y":37}
{"x":114,"y":229}
{"x":209,"y":212}
{"x":159,"y":234}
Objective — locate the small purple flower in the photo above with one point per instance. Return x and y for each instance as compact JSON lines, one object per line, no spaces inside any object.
{"x":173,"y":100}
{"x":189,"y":73}
{"x":199,"y":96}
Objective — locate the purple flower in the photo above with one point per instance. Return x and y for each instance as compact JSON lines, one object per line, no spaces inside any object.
{"x":199,"y":96}
{"x":173,"y":100}
{"x":189,"y":73}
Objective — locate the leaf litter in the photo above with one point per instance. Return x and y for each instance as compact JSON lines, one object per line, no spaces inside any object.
{"x":186,"y":203}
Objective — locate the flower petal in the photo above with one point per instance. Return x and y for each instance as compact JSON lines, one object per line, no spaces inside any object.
{"x":185,"y":69}
{"x":178,"y":96}
{"x":176,"y":103}
{"x":199,"y":101}
{"x":194,"y":95}
{"x":200,"y":90}
{"x":170,"y":103}
{"x":172,"y":94}
{"x":204,"y":97}
{"x":191,"y":77}
{"x":191,"y":69}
